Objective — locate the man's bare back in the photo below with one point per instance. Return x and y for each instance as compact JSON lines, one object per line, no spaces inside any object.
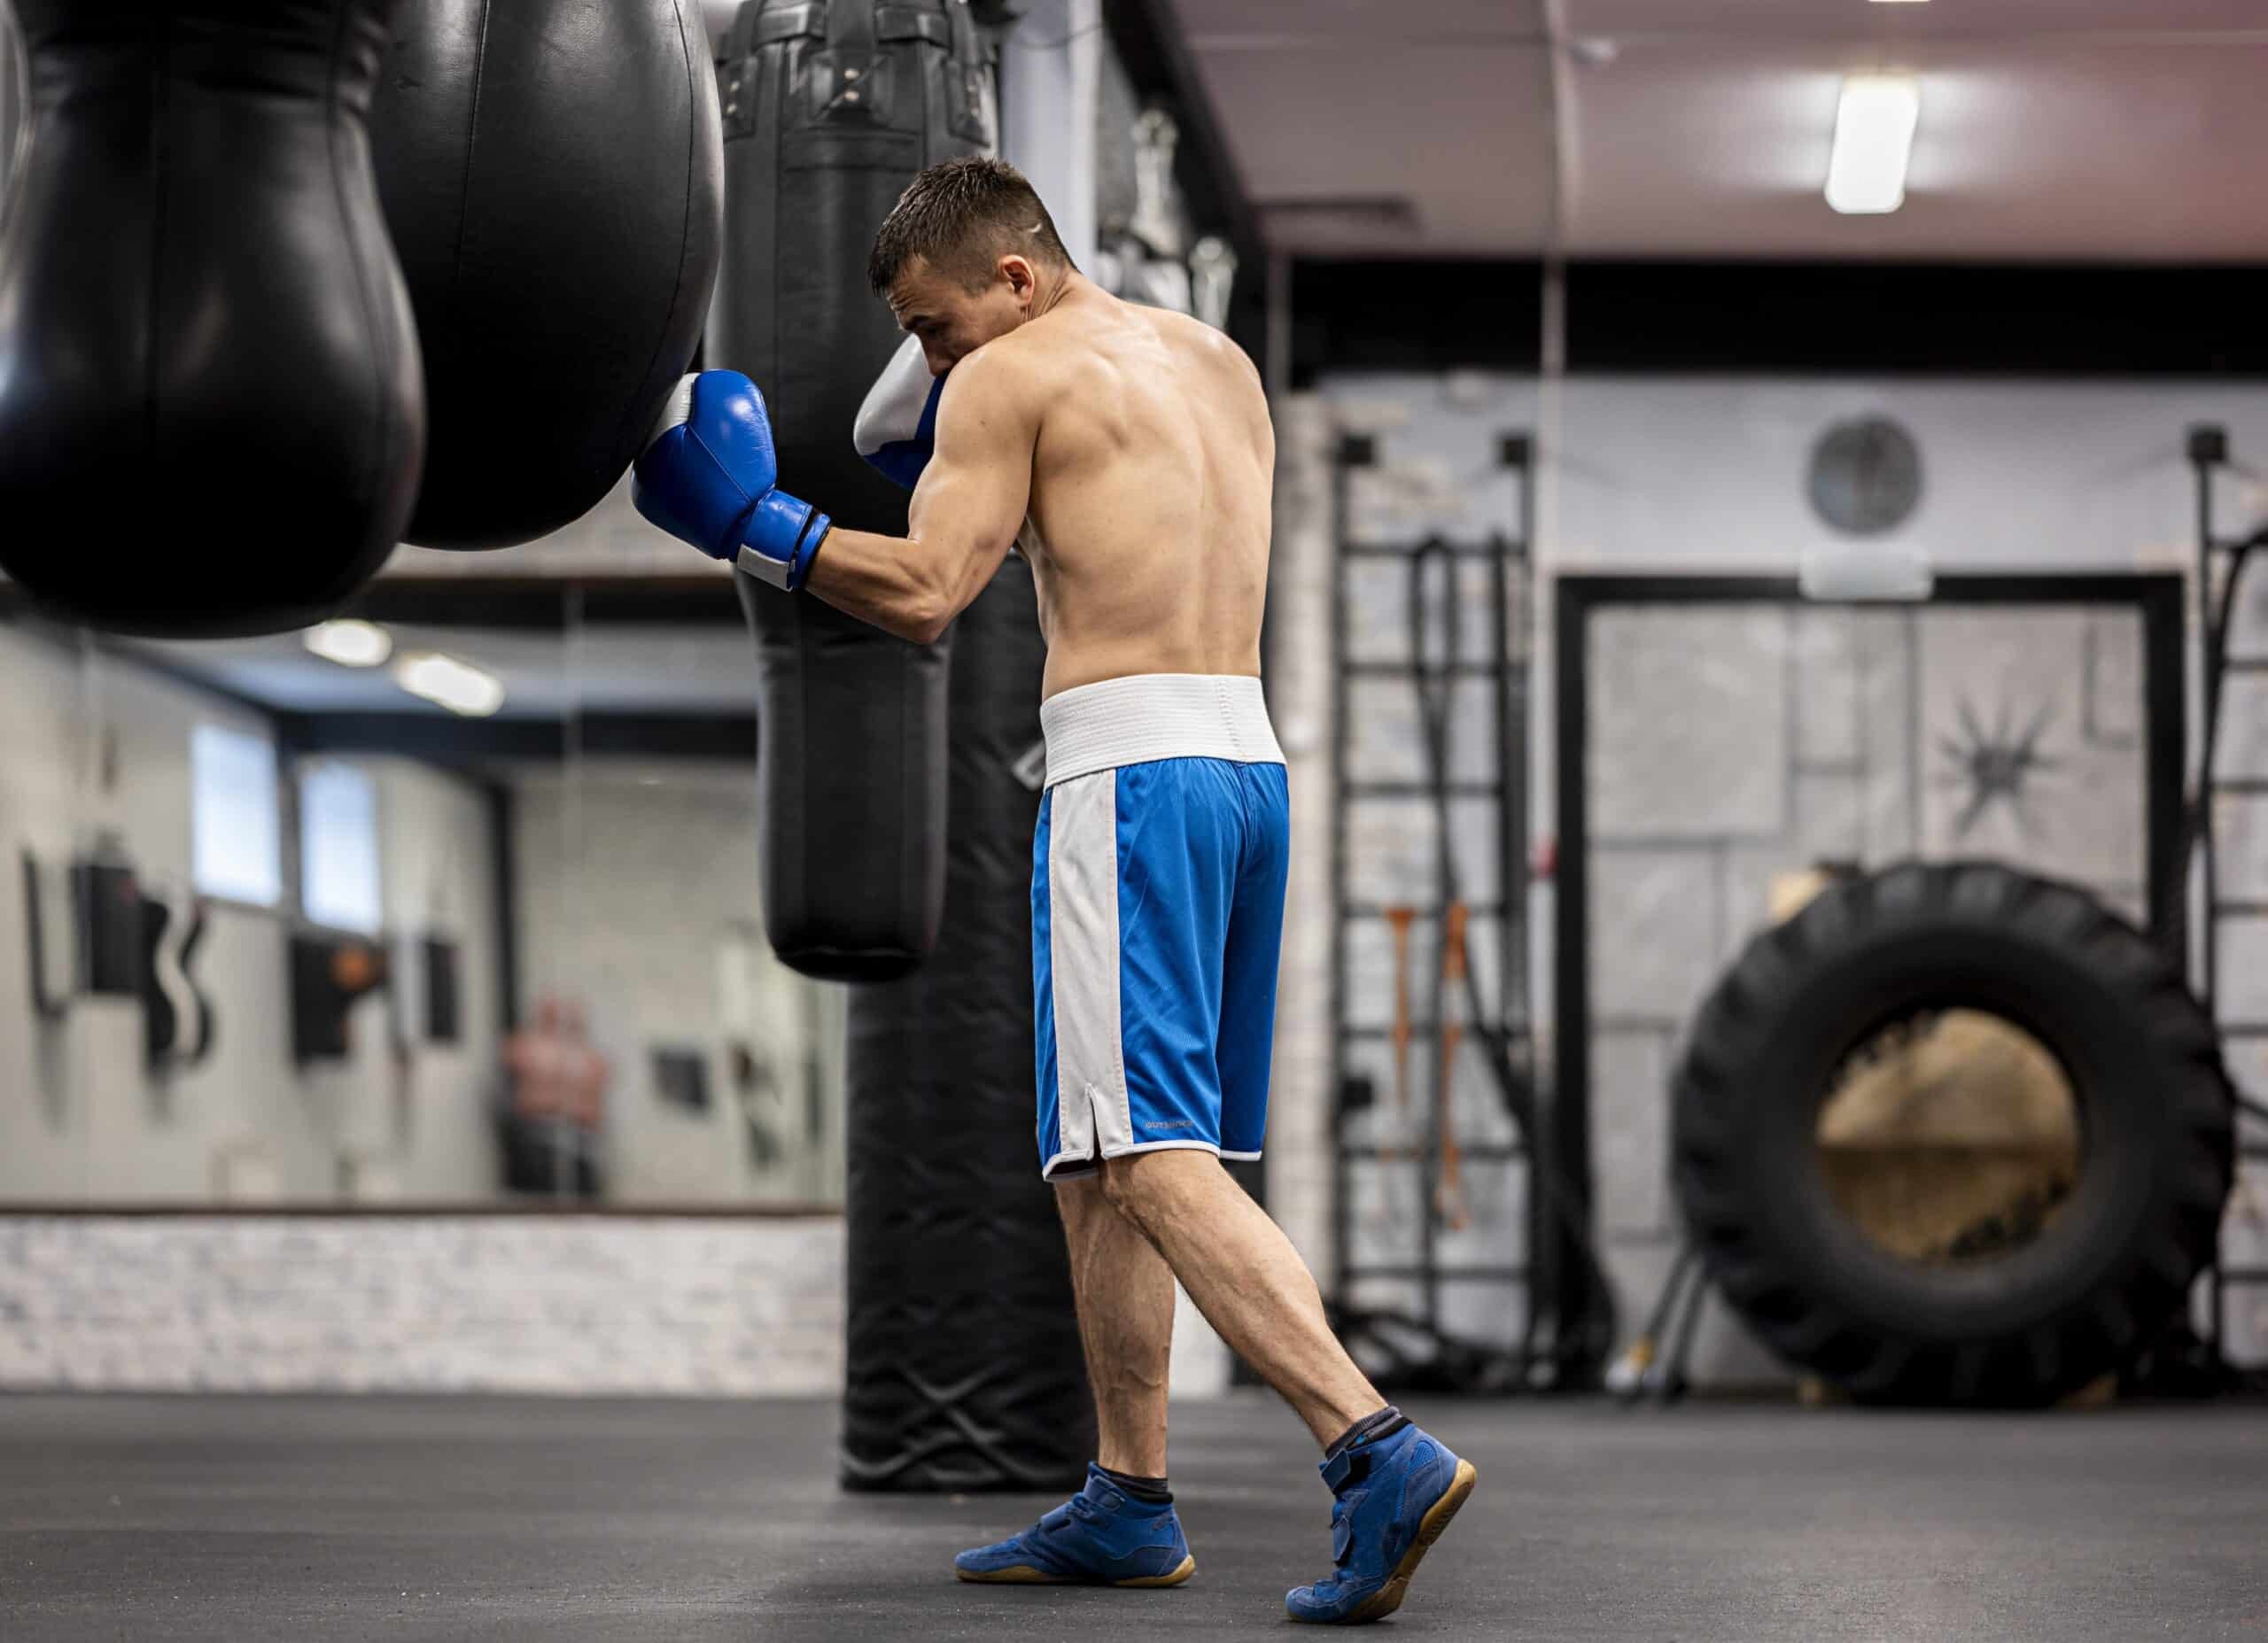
{"x":1149,"y":494}
{"x":1127,"y":449}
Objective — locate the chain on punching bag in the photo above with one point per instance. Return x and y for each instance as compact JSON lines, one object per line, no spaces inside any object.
{"x":830,"y":109}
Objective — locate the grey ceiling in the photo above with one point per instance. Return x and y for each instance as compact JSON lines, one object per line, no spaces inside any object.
{"x":2114,"y":130}
{"x":546,"y":675}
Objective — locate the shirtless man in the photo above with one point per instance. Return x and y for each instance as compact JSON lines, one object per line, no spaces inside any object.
{"x":1137,"y":444}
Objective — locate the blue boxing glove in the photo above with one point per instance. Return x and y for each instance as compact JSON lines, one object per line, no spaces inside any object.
{"x":896,"y":425}
{"x":706,"y":476}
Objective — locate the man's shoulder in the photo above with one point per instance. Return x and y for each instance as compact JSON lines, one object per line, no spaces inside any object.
{"x":1002,"y":374}
{"x":1059,"y":349}
{"x":1206,"y":350}
{"x":1032,"y":355}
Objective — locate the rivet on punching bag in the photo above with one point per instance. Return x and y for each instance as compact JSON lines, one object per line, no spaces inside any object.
{"x":552,"y":175}
{"x":211,"y":420}
{"x":830,"y":111}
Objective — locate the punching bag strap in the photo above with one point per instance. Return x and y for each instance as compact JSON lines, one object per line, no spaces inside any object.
{"x":965,"y":47}
{"x":969,"y":76}
{"x":850,"y":78}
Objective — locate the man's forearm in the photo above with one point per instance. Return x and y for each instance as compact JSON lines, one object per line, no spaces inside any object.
{"x":893,"y":582}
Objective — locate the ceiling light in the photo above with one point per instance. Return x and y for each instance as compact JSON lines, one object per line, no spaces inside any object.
{"x":1873,"y":138}
{"x":350,"y":644}
{"x":457,"y":685}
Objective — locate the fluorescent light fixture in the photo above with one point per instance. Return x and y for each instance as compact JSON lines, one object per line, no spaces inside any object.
{"x":1873,"y":138}
{"x":444,"y":680}
{"x":350,"y":644}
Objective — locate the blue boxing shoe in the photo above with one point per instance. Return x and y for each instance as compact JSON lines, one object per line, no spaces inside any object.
{"x":1100,"y":1537}
{"x":1395,"y":1495}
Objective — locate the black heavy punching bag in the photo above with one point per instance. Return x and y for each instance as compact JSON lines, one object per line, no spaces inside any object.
{"x":551,"y":173}
{"x":831,"y":106}
{"x":964,"y":1370}
{"x":211,"y":419}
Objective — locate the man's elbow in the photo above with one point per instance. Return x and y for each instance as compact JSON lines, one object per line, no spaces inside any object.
{"x":924,"y":618}
{"x":939,"y":597}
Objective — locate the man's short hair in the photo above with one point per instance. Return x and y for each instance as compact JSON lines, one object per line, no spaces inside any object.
{"x":961,"y":217}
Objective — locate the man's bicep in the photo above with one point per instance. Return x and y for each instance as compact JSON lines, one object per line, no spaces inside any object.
{"x":977,"y":486}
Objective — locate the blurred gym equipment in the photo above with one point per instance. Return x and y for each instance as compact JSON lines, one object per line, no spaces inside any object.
{"x":1874,"y":1226}
{"x":1414,"y":1347}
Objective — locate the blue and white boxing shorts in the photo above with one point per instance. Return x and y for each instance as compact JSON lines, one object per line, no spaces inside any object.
{"x":1157,"y":914}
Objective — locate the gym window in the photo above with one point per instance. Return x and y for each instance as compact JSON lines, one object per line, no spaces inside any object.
{"x":235,"y":830}
{"x":339,"y":849}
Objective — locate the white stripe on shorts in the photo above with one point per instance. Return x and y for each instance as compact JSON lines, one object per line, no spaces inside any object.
{"x":1092,"y":1119}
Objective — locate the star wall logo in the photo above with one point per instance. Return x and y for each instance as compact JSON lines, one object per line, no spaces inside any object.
{"x":1997,"y":767}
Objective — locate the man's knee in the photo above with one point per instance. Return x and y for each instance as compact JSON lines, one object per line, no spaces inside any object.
{"x":1079,"y":1197}
{"x":1118,"y":1186}
{"x":1138,"y":1185}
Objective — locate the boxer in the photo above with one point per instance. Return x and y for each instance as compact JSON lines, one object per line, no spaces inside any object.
{"x":1136,"y":445}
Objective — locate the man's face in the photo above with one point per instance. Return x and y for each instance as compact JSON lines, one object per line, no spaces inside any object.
{"x":953,"y":322}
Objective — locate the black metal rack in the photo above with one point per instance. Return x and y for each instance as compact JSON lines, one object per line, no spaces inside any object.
{"x":1505,"y":788}
{"x":2219,"y":573}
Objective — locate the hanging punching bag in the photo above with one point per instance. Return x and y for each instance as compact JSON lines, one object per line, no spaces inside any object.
{"x":551,"y":173}
{"x":830,"y":108}
{"x":210,"y":416}
{"x":964,"y":1370}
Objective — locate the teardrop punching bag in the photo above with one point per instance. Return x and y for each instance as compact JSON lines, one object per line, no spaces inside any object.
{"x":551,"y":173}
{"x":210,"y":412}
{"x":964,"y":1369}
{"x":830,"y":108}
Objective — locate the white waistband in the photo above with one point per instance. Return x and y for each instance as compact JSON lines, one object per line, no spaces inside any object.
{"x":1156,"y":715}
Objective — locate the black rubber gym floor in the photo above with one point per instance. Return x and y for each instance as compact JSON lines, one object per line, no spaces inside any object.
{"x":254,"y":1518}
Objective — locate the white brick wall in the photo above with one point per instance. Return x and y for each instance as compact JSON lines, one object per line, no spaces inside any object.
{"x":590,"y":1305}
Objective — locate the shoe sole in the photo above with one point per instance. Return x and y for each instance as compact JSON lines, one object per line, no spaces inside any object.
{"x":1025,"y":1575}
{"x":1388,"y":1597}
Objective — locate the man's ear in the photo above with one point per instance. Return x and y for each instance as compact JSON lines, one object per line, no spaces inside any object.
{"x":1022,"y":278}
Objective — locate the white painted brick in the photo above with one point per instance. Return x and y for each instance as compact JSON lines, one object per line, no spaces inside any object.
{"x":561,"y":1305}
